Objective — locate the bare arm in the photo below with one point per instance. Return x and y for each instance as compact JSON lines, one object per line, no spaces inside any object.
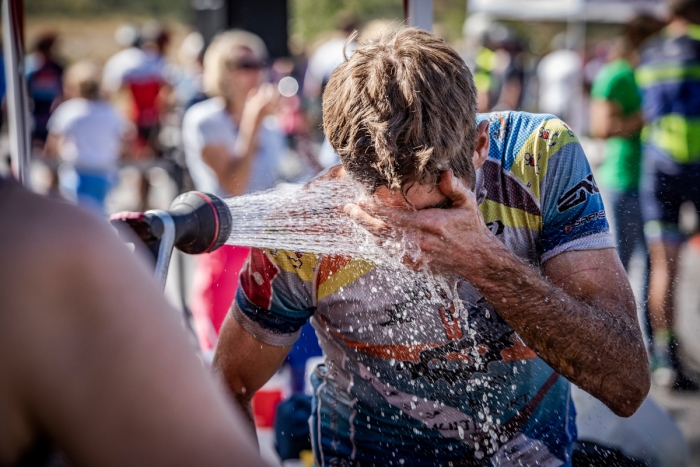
{"x":233,"y":170}
{"x":127,"y":141}
{"x":607,"y":121}
{"x":581,"y":320}
{"x":52,"y":145}
{"x":245,"y":363}
{"x":100,"y":361}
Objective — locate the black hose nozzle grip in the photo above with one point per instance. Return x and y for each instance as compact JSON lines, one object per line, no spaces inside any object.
{"x":202,"y":223}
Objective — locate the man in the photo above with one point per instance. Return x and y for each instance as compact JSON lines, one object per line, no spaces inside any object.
{"x":671,"y":176}
{"x":44,"y":83}
{"x":141,"y":73}
{"x":494,"y":202}
{"x":93,"y":361}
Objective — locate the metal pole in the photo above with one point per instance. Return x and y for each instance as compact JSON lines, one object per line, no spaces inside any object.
{"x":17,"y":94}
{"x":419,"y":13}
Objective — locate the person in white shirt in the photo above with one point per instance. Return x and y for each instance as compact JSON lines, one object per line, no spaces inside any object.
{"x":561,"y":86}
{"x":232,"y":146}
{"x":87,"y":133}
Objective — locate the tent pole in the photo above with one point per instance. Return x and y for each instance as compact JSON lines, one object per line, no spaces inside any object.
{"x":419,"y":13}
{"x":17,"y":103}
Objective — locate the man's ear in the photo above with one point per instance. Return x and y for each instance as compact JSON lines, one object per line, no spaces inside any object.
{"x":483,"y":143}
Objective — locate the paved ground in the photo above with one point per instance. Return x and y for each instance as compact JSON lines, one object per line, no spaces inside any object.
{"x":685,"y":408}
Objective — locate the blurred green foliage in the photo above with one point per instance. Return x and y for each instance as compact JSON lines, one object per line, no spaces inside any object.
{"x":312,"y":18}
{"x":309,"y":19}
{"x":170,"y":9}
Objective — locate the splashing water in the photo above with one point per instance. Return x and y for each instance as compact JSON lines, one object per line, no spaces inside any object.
{"x":311,"y":219}
{"x":307,"y":218}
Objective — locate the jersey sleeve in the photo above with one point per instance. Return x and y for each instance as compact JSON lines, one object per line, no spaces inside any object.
{"x":275,"y":295}
{"x":573,"y":216}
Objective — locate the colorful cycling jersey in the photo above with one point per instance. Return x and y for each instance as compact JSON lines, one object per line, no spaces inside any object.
{"x":411,"y":379}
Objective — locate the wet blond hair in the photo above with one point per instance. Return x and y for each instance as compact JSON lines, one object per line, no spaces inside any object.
{"x":402,"y":109}
{"x":221,"y":55}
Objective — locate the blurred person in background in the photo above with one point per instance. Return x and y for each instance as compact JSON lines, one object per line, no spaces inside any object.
{"x":616,"y":116}
{"x":127,"y":36}
{"x":560,"y":80}
{"x":671,"y":172}
{"x":140,"y":73}
{"x":233,"y":146}
{"x":189,"y":89}
{"x":509,"y":73}
{"x":94,"y":363}
{"x":495,"y":57}
{"x":324,"y":59}
{"x":150,"y":88}
{"x":328,"y":56}
{"x":87,"y":133}
{"x":44,"y":82}
{"x":44,"y":74}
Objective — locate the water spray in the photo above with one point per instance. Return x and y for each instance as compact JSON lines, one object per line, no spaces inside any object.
{"x":195,"y":223}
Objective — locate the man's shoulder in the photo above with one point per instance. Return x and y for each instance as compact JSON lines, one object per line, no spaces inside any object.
{"x":48,"y":240}
{"x":523,"y":147}
{"x":297,"y":263}
{"x":287,"y":272}
{"x":513,"y":132}
{"x":513,"y":117}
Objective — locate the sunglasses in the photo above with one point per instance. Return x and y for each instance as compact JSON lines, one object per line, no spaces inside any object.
{"x":247,"y":65}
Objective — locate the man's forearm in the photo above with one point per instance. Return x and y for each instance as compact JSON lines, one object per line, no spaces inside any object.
{"x":594,"y":345}
{"x":244,"y":403}
{"x":626,"y":127}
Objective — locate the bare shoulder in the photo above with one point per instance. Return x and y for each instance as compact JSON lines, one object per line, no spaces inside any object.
{"x":55,"y":262}
{"x":37,"y":233}
{"x":89,"y":343}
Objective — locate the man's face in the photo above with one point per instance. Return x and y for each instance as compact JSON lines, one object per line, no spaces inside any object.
{"x":414,"y":197}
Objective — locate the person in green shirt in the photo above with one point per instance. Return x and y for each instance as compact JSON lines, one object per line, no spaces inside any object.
{"x":616,"y":116}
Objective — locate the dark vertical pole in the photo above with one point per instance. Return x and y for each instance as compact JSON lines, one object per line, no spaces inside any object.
{"x":267,"y":18}
{"x":419,"y":13}
{"x":210,"y":18}
{"x":17,"y":95}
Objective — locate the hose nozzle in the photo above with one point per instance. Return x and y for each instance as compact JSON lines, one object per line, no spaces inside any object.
{"x":202,"y":223}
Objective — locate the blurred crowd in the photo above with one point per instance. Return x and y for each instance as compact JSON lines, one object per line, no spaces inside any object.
{"x":228,"y":119}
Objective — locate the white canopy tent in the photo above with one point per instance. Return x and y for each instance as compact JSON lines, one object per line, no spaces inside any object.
{"x":606,"y":11}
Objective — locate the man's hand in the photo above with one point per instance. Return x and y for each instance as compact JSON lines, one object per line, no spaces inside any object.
{"x":443,"y":236}
{"x":260,"y":103}
{"x":583,"y":323}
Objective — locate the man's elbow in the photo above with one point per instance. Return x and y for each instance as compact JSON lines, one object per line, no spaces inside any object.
{"x":632,"y":394}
